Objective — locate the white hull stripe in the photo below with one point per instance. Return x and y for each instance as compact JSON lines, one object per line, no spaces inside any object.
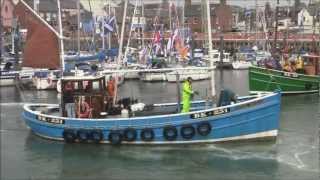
{"x":286,"y":92}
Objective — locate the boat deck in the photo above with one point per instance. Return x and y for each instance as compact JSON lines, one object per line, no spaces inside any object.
{"x":149,"y":110}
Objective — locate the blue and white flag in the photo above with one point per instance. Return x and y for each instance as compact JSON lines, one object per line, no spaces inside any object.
{"x":109,"y":24}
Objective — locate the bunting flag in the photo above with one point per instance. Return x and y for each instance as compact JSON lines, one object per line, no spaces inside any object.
{"x":42,"y":42}
{"x":172,"y":39}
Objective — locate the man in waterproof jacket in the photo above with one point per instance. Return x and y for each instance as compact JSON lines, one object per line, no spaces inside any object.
{"x":187,"y":94}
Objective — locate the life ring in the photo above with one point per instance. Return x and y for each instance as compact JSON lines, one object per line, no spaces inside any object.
{"x":96,"y":136}
{"x":147,"y":134}
{"x":204,"y":128}
{"x":69,"y":135}
{"x":187,"y":131}
{"x":115,"y":137}
{"x":83,"y":135}
{"x":170,"y":133}
{"x":129,"y":134}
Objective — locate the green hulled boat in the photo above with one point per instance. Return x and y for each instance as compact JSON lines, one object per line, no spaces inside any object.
{"x":263,"y":79}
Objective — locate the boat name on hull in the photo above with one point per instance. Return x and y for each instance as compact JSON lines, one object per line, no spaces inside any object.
{"x":210,"y":113}
{"x":51,"y":120}
{"x":293,"y":75}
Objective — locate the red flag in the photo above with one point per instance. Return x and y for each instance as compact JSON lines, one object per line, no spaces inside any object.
{"x":42,"y":43}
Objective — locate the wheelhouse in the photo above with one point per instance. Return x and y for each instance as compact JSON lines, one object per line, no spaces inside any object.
{"x":312,"y":64}
{"x":87,"y":91}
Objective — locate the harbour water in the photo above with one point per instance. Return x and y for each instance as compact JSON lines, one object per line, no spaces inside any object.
{"x":293,"y":155}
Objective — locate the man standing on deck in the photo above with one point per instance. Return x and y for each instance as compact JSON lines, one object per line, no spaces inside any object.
{"x":111,"y":91}
{"x":68,"y":99}
{"x":187,"y":94}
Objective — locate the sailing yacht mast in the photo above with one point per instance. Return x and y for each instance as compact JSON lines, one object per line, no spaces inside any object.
{"x":61,"y":39}
{"x":78,"y":25}
{"x":120,"y":46}
{"x":213,"y":90}
{"x":109,"y":14}
{"x":131,"y":27}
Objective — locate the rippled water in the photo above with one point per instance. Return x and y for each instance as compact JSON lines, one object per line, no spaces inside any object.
{"x":294,"y":155}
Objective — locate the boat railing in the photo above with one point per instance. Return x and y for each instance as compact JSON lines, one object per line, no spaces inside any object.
{"x":267,"y":69}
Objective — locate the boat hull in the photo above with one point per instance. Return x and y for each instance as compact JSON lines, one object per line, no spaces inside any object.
{"x":241,"y":65}
{"x":266,"y":80}
{"x":257,"y":118}
{"x":196,"y":75}
{"x":153,"y":76}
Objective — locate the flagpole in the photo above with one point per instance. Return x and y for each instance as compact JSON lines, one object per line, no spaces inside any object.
{"x":61,"y":39}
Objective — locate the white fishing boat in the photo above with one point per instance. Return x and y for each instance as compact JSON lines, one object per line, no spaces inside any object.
{"x":133,"y":75}
{"x":195,"y":74}
{"x":238,"y":65}
{"x":153,"y":76}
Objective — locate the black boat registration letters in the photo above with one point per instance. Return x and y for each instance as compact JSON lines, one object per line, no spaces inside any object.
{"x":209,"y":113}
{"x":288,"y":74}
{"x":50,"y":120}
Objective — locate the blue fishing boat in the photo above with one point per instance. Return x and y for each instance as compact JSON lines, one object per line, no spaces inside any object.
{"x":88,"y":113}
{"x":249,"y":117}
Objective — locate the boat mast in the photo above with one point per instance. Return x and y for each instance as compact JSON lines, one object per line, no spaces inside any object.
{"x":122,"y":31}
{"x":61,"y":45}
{"x":78,"y":25}
{"x":213,"y":90}
{"x":130,"y":30}
{"x":120,"y":47}
{"x":256,"y":33}
{"x":102,"y":25}
{"x":276,"y":26}
{"x":109,"y":34}
{"x":144,"y":21}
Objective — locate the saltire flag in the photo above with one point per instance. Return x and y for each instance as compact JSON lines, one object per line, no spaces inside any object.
{"x":109,"y":24}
